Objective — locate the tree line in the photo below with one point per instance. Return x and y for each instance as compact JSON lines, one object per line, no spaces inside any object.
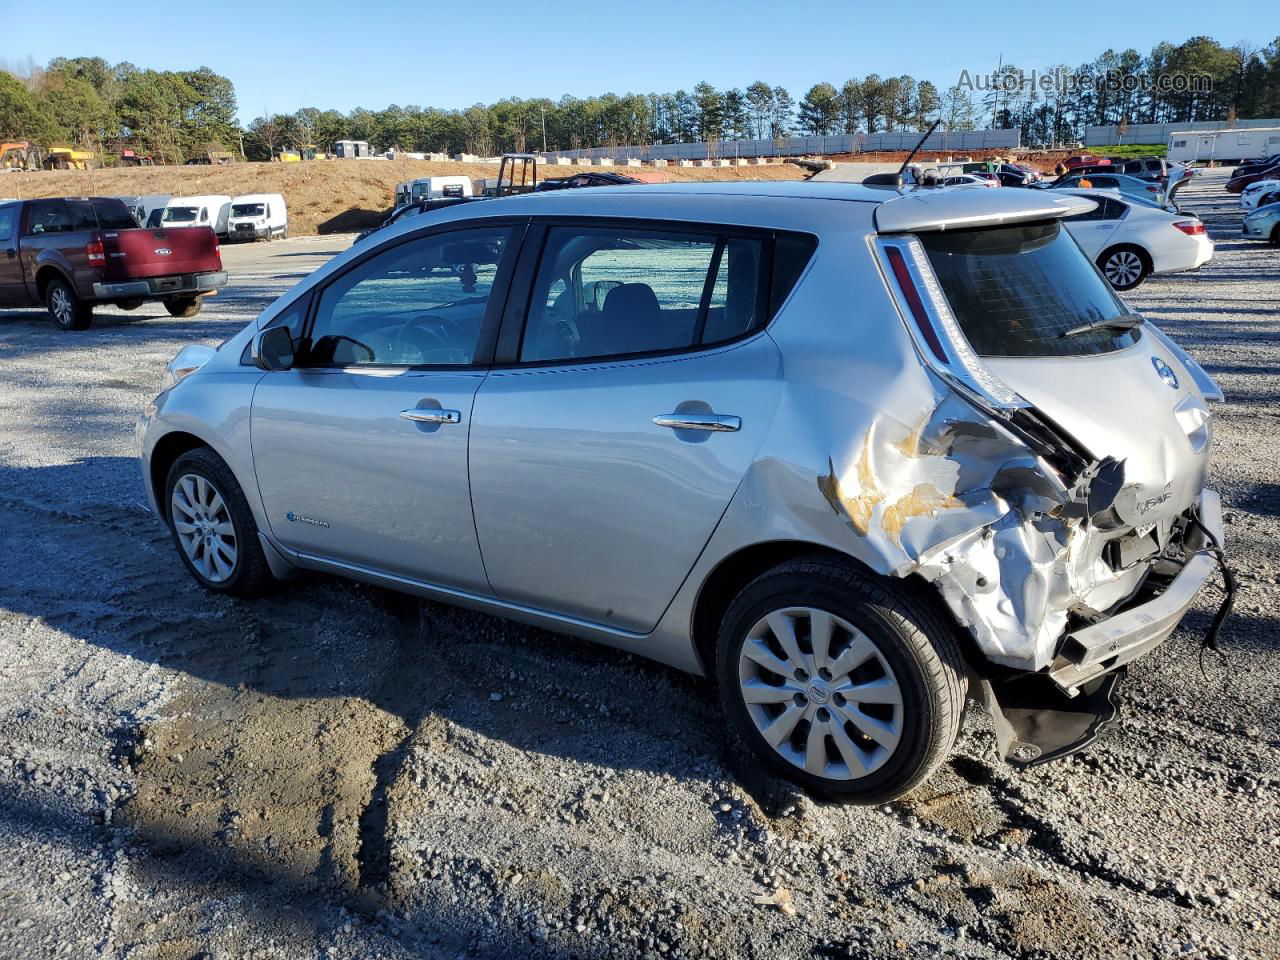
{"x":176,"y":115}
{"x":86,"y":102}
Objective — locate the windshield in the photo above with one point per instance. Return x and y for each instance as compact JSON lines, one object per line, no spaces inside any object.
{"x":248,"y":210}
{"x":180,"y":214}
{"x":1016,"y":290}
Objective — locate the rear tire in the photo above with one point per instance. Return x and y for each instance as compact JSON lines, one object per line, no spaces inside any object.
{"x":1124,"y":267}
{"x":129,"y":304}
{"x":183,"y":306}
{"x":68,"y":311}
{"x":212,"y":525}
{"x":863,"y":721}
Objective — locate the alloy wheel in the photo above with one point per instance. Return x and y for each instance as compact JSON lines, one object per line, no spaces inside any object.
{"x":60,"y":301}
{"x":1123,"y":268}
{"x":820,"y":693}
{"x":204,"y":527}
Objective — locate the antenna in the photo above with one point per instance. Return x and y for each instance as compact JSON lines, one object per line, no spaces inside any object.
{"x":911,"y":156}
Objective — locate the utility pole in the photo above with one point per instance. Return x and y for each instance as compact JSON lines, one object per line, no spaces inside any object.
{"x":544,"y":129}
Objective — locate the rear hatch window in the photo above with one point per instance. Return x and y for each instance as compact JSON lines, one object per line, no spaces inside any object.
{"x":1017,"y":290}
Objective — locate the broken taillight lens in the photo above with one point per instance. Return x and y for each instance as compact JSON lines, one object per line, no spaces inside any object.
{"x":1192,"y":228}
{"x":95,"y":252}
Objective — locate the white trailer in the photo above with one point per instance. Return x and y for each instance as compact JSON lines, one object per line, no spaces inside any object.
{"x":1223,"y":146}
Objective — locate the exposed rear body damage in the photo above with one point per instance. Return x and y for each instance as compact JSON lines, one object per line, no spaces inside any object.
{"x":950,"y":460}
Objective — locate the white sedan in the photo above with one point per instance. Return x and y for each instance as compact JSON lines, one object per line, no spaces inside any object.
{"x":967,"y":180}
{"x":1254,"y":195}
{"x":1130,"y":240}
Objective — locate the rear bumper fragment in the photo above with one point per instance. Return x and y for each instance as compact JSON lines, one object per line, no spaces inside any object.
{"x":1102,"y":647}
{"x":161,"y":286}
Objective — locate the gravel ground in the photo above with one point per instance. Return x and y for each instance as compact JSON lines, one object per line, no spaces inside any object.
{"x":337,"y":771}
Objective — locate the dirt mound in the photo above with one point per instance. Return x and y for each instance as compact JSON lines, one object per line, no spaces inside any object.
{"x":332,"y":196}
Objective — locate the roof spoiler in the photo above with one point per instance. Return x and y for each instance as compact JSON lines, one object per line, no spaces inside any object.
{"x":932,"y":210}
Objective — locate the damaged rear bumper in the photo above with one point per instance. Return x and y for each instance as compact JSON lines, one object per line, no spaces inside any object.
{"x":1046,"y":715}
{"x":1097,"y":649}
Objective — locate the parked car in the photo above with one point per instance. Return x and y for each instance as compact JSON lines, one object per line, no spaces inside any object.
{"x":206,"y":211}
{"x":72,"y":253}
{"x":1015,"y":176}
{"x":256,"y":216}
{"x":1257,"y":194}
{"x":1257,"y":166}
{"x":1126,"y":185}
{"x":967,"y":180}
{"x":627,"y":415}
{"x":587,"y":180}
{"x":1263,"y":223}
{"x":1238,"y":184}
{"x":1130,"y":239}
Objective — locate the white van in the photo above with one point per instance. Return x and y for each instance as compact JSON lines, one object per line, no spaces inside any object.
{"x":432,"y":188}
{"x":257,"y":215}
{"x":210,"y":211}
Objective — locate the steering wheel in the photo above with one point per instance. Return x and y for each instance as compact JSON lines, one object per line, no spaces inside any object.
{"x":413,"y":333}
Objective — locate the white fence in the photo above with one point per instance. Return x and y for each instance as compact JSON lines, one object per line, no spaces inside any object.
{"x":1160,"y":132}
{"x":803,"y":146}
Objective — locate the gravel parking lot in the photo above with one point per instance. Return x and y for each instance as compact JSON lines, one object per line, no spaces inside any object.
{"x":337,"y":771}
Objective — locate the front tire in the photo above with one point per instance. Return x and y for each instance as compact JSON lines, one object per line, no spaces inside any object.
{"x":213,"y":527}
{"x":1124,"y":267}
{"x":846,"y":684}
{"x":1275,"y":235}
{"x":183,"y":306}
{"x":68,"y":311}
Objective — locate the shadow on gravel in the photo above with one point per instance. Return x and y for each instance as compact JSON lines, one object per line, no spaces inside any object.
{"x":277,"y":768}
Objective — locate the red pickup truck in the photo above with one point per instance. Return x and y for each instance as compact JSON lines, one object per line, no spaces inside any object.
{"x":73,"y":252}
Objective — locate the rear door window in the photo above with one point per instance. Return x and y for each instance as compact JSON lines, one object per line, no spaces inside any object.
{"x":7,"y":217}
{"x":620,"y":291}
{"x":47,"y":216}
{"x":1017,"y":290}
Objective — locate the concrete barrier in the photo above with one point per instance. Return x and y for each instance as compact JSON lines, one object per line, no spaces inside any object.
{"x":633,"y":162}
{"x":658,"y":162}
{"x":684,"y":163}
{"x":602,"y":162}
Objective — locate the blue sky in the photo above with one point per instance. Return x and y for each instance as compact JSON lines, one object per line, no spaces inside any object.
{"x":328,"y":53}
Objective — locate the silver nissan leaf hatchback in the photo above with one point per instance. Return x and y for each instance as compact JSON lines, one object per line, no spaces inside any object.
{"x":855,"y":453}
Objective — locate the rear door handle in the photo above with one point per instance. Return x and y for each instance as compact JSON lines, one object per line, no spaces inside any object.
{"x":428,"y":415}
{"x":715,"y":422}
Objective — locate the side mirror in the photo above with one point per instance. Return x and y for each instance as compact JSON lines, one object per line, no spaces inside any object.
{"x":272,"y":349}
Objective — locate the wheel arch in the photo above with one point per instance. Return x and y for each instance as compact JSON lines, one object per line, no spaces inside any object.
{"x":727,"y":579}
{"x":735,"y":571}
{"x":165,"y":453}
{"x":45,"y":274}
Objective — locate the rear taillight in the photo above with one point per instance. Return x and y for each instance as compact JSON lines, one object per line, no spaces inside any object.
{"x":95,"y":252}
{"x":1152,"y":189}
{"x":916,"y":305}
{"x":1192,"y":228}
{"x":939,"y":340}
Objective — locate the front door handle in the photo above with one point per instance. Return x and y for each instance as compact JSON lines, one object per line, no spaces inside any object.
{"x":715,"y":422}
{"x":429,"y":415}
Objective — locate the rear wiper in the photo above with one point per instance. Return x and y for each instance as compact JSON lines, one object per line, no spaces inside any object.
{"x":1126,"y":321}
